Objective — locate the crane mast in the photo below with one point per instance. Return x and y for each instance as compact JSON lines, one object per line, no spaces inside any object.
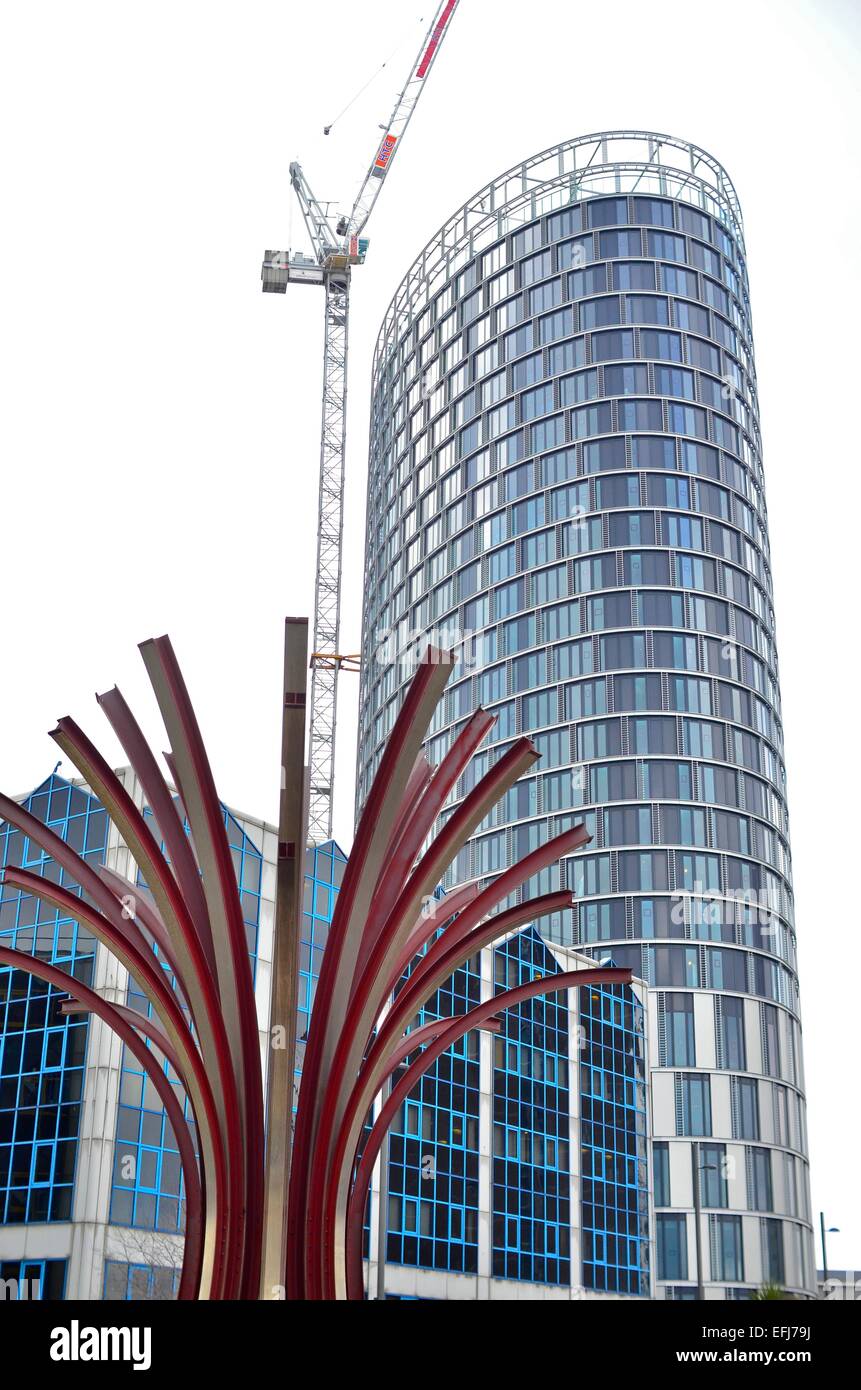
{"x":336,"y":250}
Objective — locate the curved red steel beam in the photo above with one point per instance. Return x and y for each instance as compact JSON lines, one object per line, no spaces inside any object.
{"x":170,"y":764}
{"x":152,"y":980}
{"x":478,"y":907}
{"x":463,"y":1023}
{"x":376,"y":1064}
{"x":186,"y":955}
{"x":189,"y":1283}
{"x":193,"y":970}
{"x":105,"y":894}
{"x":445,"y":948}
{"x":427,"y":1033}
{"x":145,"y":917}
{"x":77,"y":868}
{"x":369,"y":997}
{"x":144,"y":1026}
{"x":415,"y":787}
{"x":445,"y":956}
{"x":428,"y":923}
{"x":373,"y":834}
{"x":235,"y":983}
{"x":418,"y":825}
{"x":195,"y":921}
{"x":163,"y":806}
{"x":387,"y":917}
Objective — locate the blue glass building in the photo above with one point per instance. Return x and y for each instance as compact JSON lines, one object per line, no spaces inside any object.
{"x":486,"y":1159}
{"x":492,"y":1171}
{"x":566,"y":486}
{"x":531,"y":1122}
{"x":43,"y":1053}
{"x":324,"y":871}
{"x":614,"y":1128}
{"x":91,"y":1199}
{"x":147,"y":1190}
{"x":518,"y":1167}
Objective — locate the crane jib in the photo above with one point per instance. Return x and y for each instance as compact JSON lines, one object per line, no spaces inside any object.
{"x":427,"y":56}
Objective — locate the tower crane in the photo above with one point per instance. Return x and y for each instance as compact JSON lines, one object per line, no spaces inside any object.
{"x":336,"y":250}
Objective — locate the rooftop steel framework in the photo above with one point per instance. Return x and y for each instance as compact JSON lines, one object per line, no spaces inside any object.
{"x":618,"y":161}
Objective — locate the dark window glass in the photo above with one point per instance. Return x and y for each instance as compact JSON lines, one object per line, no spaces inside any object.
{"x":732,"y":1054}
{"x":607,"y":346}
{"x":694,"y":222}
{"x":726,"y":1255}
{"x":772,"y":1251}
{"x":759,"y":1186}
{"x":679,"y":1029}
{"x":661,"y":1161}
{"x":634,"y":275}
{"x":646,"y":308}
{"x":693,"y":1101}
{"x":655,"y":211}
{"x":672,"y":1247}
{"x":650,"y":452}
{"x":712,"y":1170}
{"x":665,"y":246}
{"x":624,"y":243}
{"x":655,"y":344}
{"x":745,"y":1108}
{"x":563,"y":223}
{"x":607,"y":212}
{"x":626,"y":380}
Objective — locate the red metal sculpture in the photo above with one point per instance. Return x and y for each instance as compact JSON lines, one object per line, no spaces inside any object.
{"x":359,"y":1033}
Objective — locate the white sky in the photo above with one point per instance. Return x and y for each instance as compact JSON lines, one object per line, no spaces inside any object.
{"x":160,"y":415}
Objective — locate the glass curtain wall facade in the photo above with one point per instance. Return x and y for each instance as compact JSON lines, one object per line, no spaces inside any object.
{"x":566,"y":485}
{"x":111,"y":1170}
{"x":42,"y":1052}
{"x":531,"y":1200}
{"x":518,"y":1166}
{"x":148,"y":1192}
{"x":614,"y":1126}
{"x":433,"y":1149}
{"x":150,"y":1198}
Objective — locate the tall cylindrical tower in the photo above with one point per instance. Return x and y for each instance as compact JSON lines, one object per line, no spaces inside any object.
{"x":566,"y":479}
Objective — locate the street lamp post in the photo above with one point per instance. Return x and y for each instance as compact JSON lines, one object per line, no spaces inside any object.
{"x":835,"y":1230}
{"x":696,"y":1169}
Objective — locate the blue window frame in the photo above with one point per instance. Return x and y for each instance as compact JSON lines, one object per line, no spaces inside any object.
{"x":32,"y":1280}
{"x":613,"y":1154}
{"x":693,"y":1104}
{"x":531,"y":1123}
{"x":127,"y":1282}
{"x":147,"y":1188}
{"x":42,"y":1053}
{"x":672,"y":1246}
{"x":432,"y":1218}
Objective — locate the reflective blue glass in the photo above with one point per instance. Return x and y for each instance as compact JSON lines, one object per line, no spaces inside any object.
{"x":42,"y":1053}
{"x":148,"y":1190}
{"x":531,"y":1199}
